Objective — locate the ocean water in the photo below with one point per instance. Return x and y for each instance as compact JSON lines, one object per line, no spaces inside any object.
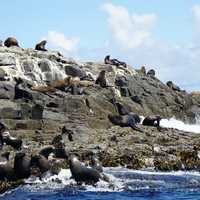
{"x":124,"y":184}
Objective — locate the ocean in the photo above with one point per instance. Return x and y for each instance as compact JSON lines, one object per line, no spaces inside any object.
{"x":125,"y":184}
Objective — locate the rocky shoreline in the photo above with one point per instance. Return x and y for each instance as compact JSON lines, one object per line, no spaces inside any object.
{"x":38,"y":121}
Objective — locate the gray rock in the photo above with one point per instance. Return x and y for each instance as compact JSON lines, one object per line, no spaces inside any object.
{"x":75,"y":71}
{"x":6,"y":60}
{"x":28,"y":66}
{"x":44,"y":65}
{"x":3,"y":75}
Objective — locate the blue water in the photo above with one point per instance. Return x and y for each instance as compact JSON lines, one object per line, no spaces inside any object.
{"x":126,"y":185}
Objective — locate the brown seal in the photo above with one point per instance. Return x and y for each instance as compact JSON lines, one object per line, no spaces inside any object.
{"x":101,"y":79}
{"x":43,"y":88}
{"x":41,"y":46}
{"x":11,"y":41}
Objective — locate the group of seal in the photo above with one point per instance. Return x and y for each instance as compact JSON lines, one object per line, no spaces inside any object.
{"x":125,"y":118}
{"x":12,"y":42}
{"x":23,"y":164}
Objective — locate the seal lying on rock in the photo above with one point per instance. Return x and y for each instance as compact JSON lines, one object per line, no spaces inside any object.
{"x":129,"y":120}
{"x":121,"y":109}
{"x":12,"y":141}
{"x":6,"y":169}
{"x":22,"y":165}
{"x":174,"y":87}
{"x":152,"y":121}
{"x":11,"y":41}
{"x":115,"y":62}
{"x":63,"y":84}
{"x":43,"y":89}
{"x":81,"y":173}
{"x":41,"y":46}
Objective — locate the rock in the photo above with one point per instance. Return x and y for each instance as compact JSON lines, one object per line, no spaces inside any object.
{"x":37,"y":111}
{"x":28,"y":66}
{"x":6,"y":90}
{"x":74,"y":71}
{"x":7,"y":60}
{"x":86,"y":115}
{"x":44,"y":65}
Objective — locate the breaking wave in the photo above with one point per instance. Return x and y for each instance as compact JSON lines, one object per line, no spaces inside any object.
{"x":177,"y":124}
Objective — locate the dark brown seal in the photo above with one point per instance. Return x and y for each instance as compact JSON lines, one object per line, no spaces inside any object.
{"x":41,"y":46}
{"x":101,"y":79}
{"x":11,"y":41}
{"x":81,"y":173}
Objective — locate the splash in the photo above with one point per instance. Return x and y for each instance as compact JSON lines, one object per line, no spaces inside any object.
{"x":121,"y":179}
{"x":177,"y":124}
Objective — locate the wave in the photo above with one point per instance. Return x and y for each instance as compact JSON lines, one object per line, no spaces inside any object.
{"x":121,"y":179}
{"x":177,"y":124}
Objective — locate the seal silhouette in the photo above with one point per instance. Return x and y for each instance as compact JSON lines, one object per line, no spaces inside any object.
{"x":41,"y":46}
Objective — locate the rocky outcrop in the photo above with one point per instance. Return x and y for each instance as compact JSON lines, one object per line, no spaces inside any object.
{"x":87,"y":115}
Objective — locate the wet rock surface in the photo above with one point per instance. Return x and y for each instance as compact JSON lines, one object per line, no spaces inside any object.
{"x":39,"y":120}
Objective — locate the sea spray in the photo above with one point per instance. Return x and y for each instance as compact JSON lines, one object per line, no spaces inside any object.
{"x":177,"y":124}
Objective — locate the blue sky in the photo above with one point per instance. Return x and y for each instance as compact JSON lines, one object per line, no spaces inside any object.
{"x":163,"y":35}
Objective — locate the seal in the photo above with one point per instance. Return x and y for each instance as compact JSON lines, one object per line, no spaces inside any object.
{"x":12,"y":141}
{"x":11,"y":41}
{"x":22,"y":165}
{"x":107,"y":60}
{"x":41,"y":46}
{"x":129,"y":120}
{"x":43,"y":89}
{"x":40,"y":162}
{"x":6,"y":169}
{"x":101,"y":79}
{"x":143,"y":70}
{"x":174,"y":87}
{"x":152,"y":121}
{"x":151,"y":73}
{"x":121,"y":109}
{"x":60,"y":152}
{"x":21,"y":93}
{"x":81,"y":173}
{"x":115,"y":62}
{"x":68,"y":132}
{"x":57,"y":141}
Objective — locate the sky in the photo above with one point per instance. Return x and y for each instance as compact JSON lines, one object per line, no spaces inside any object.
{"x":163,"y":35}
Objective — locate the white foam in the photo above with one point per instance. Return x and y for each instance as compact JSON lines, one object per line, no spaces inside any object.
{"x":120,"y":179}
{"x":177,"y":124}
